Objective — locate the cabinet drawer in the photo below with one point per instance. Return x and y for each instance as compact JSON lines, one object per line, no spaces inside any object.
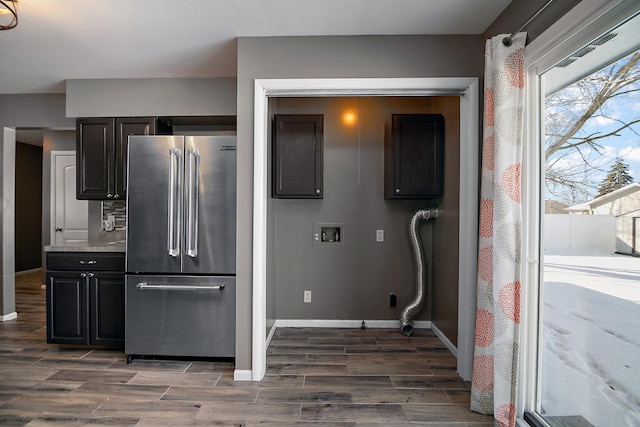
{"x":85,"y":261}
{"x":182,"y":316}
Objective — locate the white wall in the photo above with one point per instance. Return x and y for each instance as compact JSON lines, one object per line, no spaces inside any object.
{"x":580,"y":232}
{"x":626,"y":205}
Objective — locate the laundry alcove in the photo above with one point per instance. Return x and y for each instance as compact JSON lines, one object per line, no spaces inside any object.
{"x":285,"y":227}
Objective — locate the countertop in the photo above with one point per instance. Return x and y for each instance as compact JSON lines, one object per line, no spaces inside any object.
{"x":88,"y":246}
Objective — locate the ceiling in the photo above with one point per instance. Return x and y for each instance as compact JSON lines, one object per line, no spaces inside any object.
{"x":80,"y":39}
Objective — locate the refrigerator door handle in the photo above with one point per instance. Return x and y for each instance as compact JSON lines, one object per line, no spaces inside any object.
{"x":173,"y":233}
{"x":192,"y":203}
{"x":145,"y":286}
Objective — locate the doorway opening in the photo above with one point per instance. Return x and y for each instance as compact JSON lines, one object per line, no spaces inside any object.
{"x":28,"y":202}
{"x":468,"y":91}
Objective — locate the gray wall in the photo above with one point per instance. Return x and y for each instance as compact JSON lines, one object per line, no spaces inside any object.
{"x":151,"y":97}
{"x":326,"y":57}
{"x":519,"y":11}
{"x":343,"y":277}
{"x":28,"y":111}
{"x":34,"y":111}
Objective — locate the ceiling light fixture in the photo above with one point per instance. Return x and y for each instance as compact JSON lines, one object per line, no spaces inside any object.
{"x":8,"y":10}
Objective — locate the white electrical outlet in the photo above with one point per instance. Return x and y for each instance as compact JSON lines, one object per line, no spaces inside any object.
{"x":307,"y":296}
{"x":379,"y":235}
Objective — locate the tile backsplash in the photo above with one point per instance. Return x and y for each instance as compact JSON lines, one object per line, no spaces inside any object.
{"x":118,"y":209}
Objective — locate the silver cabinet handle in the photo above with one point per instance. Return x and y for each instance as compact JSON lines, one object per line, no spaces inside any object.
{"x":83,"y":275}
{"x":173,"y":232}
{"x":192,"y":201}
{"x":90,"y":262}
{"x":109,"y":196}
{"x":90,"y":274}
{"x":58,"y":228}
{"x":143,"y":286}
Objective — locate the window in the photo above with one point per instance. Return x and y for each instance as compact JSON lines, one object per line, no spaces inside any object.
{"x":581,"y":337}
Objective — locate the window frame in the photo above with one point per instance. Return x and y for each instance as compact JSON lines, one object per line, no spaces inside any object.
{"x":588,"y":20}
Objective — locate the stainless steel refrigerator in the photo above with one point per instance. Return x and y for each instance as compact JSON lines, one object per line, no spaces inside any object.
{"x":180,"y":293}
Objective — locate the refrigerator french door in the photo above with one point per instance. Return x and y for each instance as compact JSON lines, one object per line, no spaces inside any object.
{"x":180,"y":254}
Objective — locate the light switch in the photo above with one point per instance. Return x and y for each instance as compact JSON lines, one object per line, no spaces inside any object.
{"x":379,"y":235}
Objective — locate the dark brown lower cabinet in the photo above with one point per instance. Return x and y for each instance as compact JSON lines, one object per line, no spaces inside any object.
{"x":84,"y":306}
{"x":67,"y":310}
{"x":106,"y":309}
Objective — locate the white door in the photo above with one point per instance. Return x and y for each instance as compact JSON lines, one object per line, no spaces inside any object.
{"x":69,"y":216}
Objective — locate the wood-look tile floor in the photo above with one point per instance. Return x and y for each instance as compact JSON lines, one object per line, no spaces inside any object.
{"x":315,"y":377}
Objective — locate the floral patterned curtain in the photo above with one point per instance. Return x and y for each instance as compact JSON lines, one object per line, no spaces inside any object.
{"x":495,"y":362}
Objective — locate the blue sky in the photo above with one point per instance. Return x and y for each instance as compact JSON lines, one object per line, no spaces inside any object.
{"x":626,"y":144}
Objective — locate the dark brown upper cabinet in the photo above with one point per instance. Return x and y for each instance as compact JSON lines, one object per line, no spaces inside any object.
{"x":298,"y":156}
{"x":95,"y":155}
{"x":101,"y":153}
{"x":124,"y":128}
{"x":414,"y":157}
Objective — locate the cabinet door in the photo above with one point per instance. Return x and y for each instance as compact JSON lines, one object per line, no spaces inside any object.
{"x":106,"y":307}
{"x":95,"y":158}
{"x":298,"y":156}
{"x":66,"y":308}
{"x":414,"y":157}
{"x":124,"y":128}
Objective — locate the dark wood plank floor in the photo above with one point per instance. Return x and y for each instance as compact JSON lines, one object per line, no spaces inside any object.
{"x":315,"y":377}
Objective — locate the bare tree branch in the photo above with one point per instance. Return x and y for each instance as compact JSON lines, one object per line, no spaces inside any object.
{"x":590,"y":140}
{"x":572,"y":157}
{"x":619,"y":80}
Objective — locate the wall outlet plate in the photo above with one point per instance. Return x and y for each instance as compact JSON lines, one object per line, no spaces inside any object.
{"x":307,"y":296}
{"x":327,"y":234}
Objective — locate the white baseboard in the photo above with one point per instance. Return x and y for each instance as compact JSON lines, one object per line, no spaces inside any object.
{"x":271,"y":332}
{"x":10,"y":316}
{"x":322,"y":323}
{"x":452,"y":348}
{"x":242,"y":375}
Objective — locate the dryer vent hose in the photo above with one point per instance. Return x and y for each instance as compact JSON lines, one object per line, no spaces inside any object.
{"x":414,"y":307}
